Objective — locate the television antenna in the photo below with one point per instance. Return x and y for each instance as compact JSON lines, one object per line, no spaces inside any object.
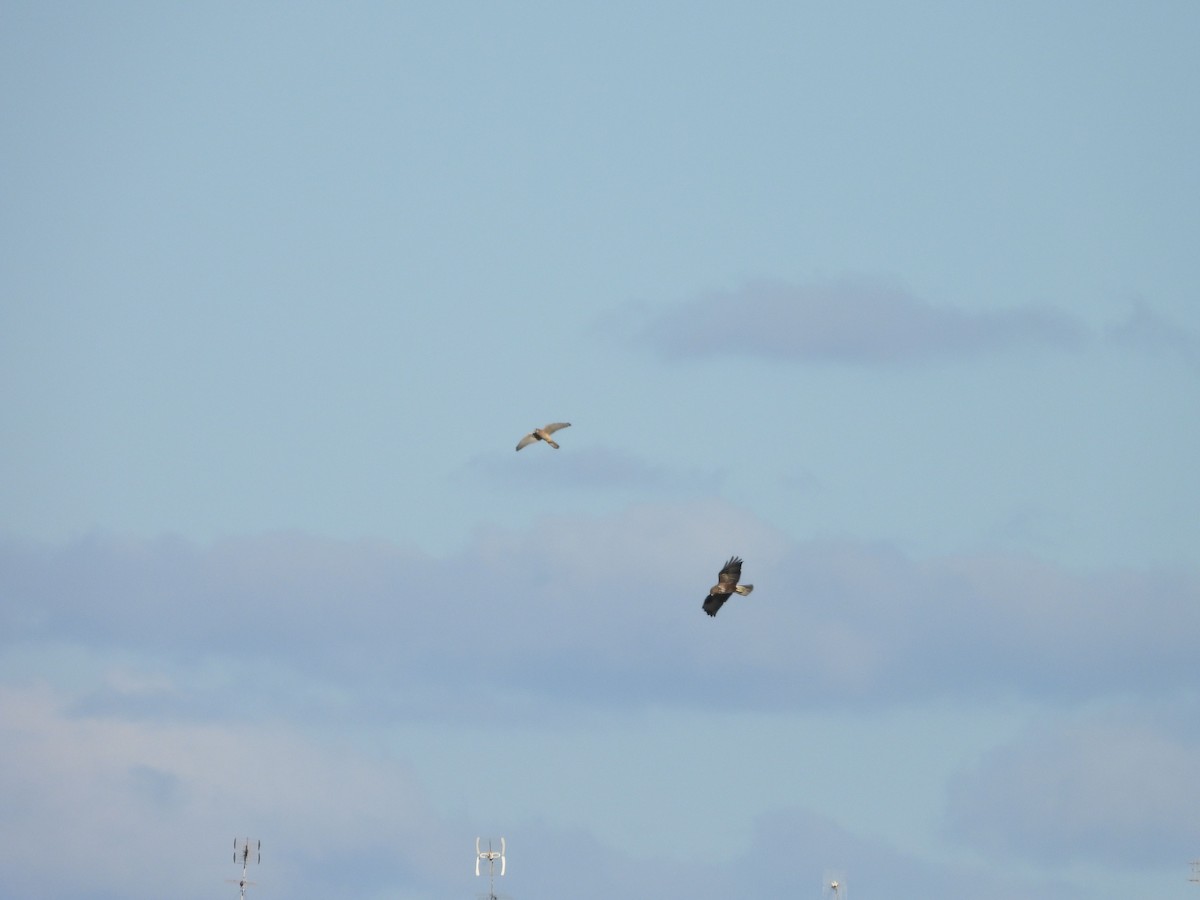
{"x":491,"y":856}
{"x":1195,"y":877}
{"x":833,"y":886}
{"x":245,"y":851}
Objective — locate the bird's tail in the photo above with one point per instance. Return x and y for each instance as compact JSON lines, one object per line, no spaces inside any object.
{"x":744,"y":589}
{"x":551,"y":443}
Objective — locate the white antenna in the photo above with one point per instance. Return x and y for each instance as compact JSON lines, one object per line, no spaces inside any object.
{"x":246,"y":851}
{"x":491,"y":856}
{"x":833,"y":886}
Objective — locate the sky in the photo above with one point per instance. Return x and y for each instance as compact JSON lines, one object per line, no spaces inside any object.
{"x":898,"y":302}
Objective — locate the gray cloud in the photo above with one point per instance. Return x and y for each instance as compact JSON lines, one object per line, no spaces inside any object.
{"x":846,"y":321}
{"x":602,"y":611}
{"x":1147,"y":331}
{"x":190,"y":689}
{"x":870,"y":867}
{"x":1116,"y":785}
{"x":98,"y":806}
{"x":787,"y":854}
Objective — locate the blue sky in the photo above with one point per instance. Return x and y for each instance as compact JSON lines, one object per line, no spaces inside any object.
{"x":897,"y":302}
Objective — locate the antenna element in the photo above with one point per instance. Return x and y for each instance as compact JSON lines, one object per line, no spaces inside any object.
{"x":491,"y":856}
{"x":245,"y":851}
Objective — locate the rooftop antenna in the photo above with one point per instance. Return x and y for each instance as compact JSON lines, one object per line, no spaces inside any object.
{"x":833,"y":886}
{"x":1195,"y":871}
{"x":491,"y":856}
{"x":245,"y":851}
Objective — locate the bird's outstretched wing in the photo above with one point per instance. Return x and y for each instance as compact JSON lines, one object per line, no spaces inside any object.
{"x":526,"y":441}
{"x":731,"y":573}
{"x":713,"y":602}
{"x":556,"y":426}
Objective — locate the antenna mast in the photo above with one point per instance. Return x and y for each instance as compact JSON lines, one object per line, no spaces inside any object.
{"x":245,"y":851}
{"x":1195,"y":871}
{"x":491,"y":856}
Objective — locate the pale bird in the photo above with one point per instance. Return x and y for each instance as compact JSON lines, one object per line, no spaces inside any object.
{"x":543,"y":434}
{"x":727,"y":584}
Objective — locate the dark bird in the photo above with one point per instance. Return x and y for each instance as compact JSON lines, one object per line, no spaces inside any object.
{"x":543,"y":434}
{"x":727,"y":583}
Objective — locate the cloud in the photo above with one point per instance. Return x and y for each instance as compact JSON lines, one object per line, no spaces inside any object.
{"x":845,"y":321}
{"x":788,"y":851}
{"x":812,"y":844}
{"x":100,"y":806}
{"x":248,"y":685}
{"x":595,"y":611}
{"x":1147,"y":331}
{"x":1115,"y":785}
{"x":103,"y":806}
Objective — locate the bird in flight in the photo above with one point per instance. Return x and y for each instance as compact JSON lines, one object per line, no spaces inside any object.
{"x":543,"y":434}
{"x":727,"y":583}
